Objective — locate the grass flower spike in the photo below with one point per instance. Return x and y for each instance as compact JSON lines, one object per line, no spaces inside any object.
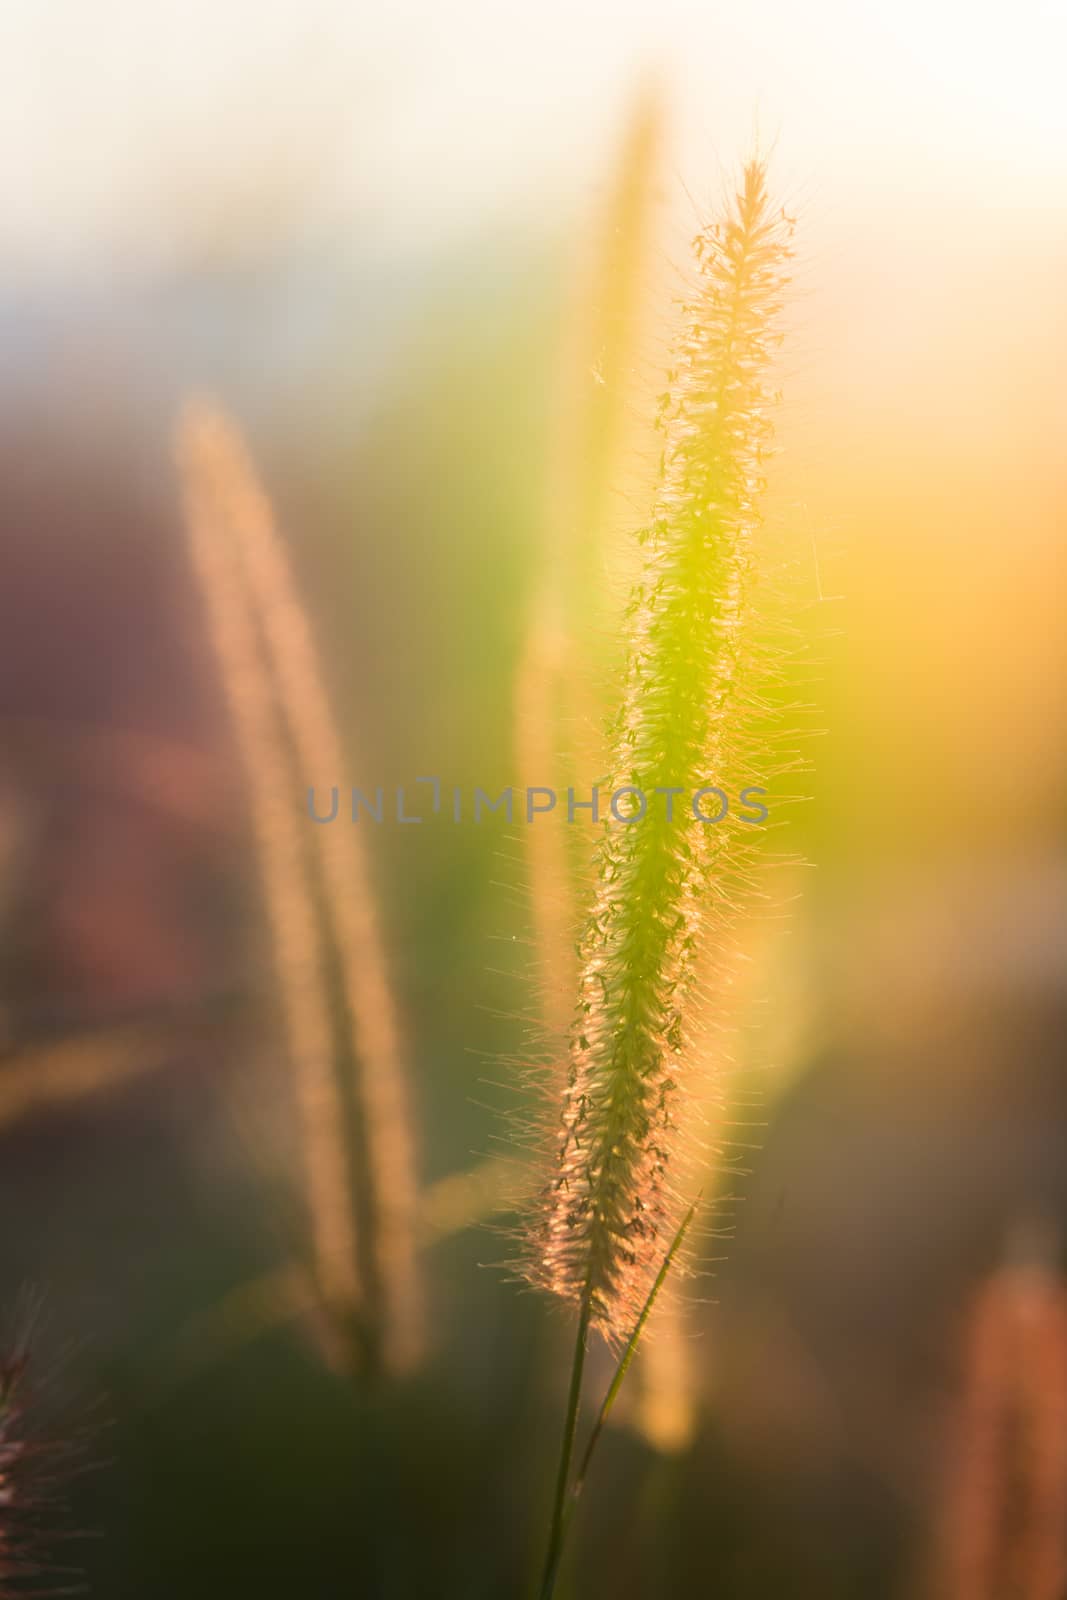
{"x":362,"y":1183}
{"x":610,"y":1207}
{"x":558,"y":713}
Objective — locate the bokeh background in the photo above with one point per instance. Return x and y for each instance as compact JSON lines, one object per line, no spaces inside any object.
{"x":366,"y":229}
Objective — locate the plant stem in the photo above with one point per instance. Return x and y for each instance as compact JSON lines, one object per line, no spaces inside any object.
{"x":616,"y":1384}
{"x":566,"y":1454}
{"x":630,"y":1351}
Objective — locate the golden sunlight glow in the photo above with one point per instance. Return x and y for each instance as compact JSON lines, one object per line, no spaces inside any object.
{"x":347,"y":112}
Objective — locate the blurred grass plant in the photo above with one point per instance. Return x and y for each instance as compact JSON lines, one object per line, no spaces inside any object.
{"x":361,"y":1181}
{"x":45,"y":1077}
{"x":1003,"y":1530}
{"x":559,"y":711}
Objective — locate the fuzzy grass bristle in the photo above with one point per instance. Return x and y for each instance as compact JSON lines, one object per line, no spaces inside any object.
{"x":35,"y":1466}
{"x":661,"y":881}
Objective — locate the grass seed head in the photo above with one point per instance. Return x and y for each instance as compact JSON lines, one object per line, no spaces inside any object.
{"x":662,"y":883}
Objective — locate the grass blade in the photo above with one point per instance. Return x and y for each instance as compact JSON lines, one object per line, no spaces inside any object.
{"x":631,"y":1347}
{"x":563,"y":1512}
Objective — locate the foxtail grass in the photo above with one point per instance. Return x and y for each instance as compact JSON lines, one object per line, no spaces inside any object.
{"x":607,"y":1226}
{"x":207,"y":462}
{"x":558,"y":713}
{"x":1003,"y":1524}
{"x":324,"y":919}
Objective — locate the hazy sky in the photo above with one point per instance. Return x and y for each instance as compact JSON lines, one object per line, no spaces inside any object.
{"x":120,"y":119}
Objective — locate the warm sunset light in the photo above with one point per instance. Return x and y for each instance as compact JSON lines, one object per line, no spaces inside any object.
{"x":533,"y":800}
